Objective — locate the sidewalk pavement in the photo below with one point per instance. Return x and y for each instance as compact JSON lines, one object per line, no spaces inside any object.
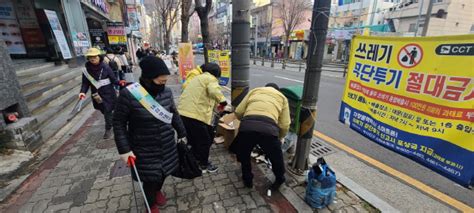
{"x":86,"y":175}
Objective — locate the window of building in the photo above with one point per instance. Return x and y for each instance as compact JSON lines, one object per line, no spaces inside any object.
{"x":472,"y":28}
{"x":412,"y":28}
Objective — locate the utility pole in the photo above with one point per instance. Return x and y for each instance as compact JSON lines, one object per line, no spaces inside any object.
{"x":312,"y":77}
{"x":240,"y":50}
{"x":419,"y":17}
{"x":427,"y":18}
{"x":256,"y":35}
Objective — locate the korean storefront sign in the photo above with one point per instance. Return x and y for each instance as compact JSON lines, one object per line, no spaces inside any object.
{"x":416,"y":97}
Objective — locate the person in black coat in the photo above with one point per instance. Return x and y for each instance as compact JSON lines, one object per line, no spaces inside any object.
{"x":104,"y":97}
{"x":139,"y":134}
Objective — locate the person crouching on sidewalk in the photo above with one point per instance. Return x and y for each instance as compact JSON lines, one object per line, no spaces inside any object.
{"x":101,"y":79}
{"x":197,"y":102}
{"x":265,"y":120}
{"x":149,"y":134}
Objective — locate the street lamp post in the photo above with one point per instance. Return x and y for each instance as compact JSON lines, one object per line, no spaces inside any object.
{"x":314,"y":62}
{"x":240,"y":41}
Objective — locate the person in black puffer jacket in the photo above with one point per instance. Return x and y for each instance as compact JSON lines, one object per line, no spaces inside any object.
{"x":139,"y":134}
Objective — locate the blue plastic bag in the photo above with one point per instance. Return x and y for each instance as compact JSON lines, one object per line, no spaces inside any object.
{"x":321,"y":188}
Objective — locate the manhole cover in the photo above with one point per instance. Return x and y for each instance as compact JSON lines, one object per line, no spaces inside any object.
{"x":320,"y":148}
{"x":105,"y":144}
{"x":119,"y":169}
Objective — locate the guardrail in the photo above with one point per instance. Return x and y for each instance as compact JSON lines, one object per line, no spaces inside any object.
{"x":296,"y":64}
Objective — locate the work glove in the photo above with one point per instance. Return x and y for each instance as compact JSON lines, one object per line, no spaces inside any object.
{"x":122,"y":83}
{"x":183,"y":140}
{"x":125,"y":157}
{"x":82,"y":96}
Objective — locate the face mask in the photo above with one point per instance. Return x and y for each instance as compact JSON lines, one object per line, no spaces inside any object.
{"x":155,"y":89}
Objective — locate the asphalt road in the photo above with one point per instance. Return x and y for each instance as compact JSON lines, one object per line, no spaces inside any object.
{"x":330,"y":92}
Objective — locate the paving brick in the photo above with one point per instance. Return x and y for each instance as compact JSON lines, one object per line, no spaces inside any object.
{"x":76,"y":209}
{"x":184,"y":185}
{"x":219,"y":177}
{"x":124,"y":202}
{"x":261,"y":210}
{"x":258,"y":199}
{"x":104,"y":193}
{"x":182,"y":203}
{"x":113,"y":204}
{"x":346,"y":199}
{"x":218,"y":207}
{"x":92,"y":196}
{"x":244,"y":191}
{"x":249,"y":202}
{"x":54,"y":208}
{"x":207,"y":192}
{"x":63,"y":190}
{"x":232,"y":201}
{"x":44,"y":196}
{"x":28,"y":207}
{"x":170,"y":209}
{"x":186,"y":191}
{"x":353,"y":196}
{"x":210,"y":199}
{"x":120,"y":193}
{"x":207,"y":208}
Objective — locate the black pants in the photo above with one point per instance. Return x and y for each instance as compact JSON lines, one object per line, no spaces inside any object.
{"x":270,"y":145}
{"x":108,"y":116}
{"x":151,"y":189}
{"x":200,"y":137}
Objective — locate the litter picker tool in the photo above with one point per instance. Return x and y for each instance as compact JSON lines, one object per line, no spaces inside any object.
{"x":77,"y":108}
{"x":131,"y":162}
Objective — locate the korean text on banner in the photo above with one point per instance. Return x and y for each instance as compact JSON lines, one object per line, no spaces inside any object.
{"x":222,"y":58}
{"x":416,"y":97}
{"x":185,"y":59}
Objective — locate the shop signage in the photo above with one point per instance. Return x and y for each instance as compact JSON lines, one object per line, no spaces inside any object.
{"x":132,"y":18}
{"x":10,"y":29}
{"x":100,"y":4}
{"x":58,"y":33}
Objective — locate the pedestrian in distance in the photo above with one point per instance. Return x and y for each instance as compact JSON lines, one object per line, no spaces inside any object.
{"x":101,"y":80}
{"x":196,"y":106}
{"x":265,"y":120}
{"x":149,"y":134}
{"x":114,"y":63}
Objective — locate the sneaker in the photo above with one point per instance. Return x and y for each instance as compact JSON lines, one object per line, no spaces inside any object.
{"x":276,"y":185}
{"x":108,"y":134}
{"x":160,"y":199}
{"x":209,"y":168}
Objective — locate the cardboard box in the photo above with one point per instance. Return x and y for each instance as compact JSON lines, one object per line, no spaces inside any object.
{"x":228,"y":127}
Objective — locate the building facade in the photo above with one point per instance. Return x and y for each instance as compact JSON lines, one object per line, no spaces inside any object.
{"x":448,"y":17}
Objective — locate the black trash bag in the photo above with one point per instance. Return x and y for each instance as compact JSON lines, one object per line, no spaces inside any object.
{"x":188,"y":167}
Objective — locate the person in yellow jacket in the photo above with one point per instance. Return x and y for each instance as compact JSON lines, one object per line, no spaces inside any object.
{"x":197,"y":102}
{"x":191,"y":74}
{"x":265,"y":120}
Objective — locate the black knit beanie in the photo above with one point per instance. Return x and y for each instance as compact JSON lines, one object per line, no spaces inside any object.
{"x":153,"y":67}
{"x":212,"y":68}
{"x":273,"y":85}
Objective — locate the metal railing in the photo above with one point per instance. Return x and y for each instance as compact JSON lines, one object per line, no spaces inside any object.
{"x":300,"y":65}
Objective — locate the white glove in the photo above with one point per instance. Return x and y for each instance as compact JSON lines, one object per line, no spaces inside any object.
{"x":125,"y":157}
{"x":183,"y":139}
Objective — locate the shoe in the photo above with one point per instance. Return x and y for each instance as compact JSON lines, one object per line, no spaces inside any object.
{"x":209,"y":168}
{"x":154,"y":209}
{"x":160,"y":199}
{"x":276,"y":185}
{"x":108,"y":134}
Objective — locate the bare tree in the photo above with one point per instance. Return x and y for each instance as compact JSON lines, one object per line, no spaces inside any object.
{"x":291,"y":13}
{"x":187,"y":11}
{"x":168,"y":10}
{"x":203,"y":12}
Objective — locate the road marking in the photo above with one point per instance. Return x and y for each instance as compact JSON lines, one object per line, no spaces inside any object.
{"x":413,"y":182}
{"x":289,"y":79}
